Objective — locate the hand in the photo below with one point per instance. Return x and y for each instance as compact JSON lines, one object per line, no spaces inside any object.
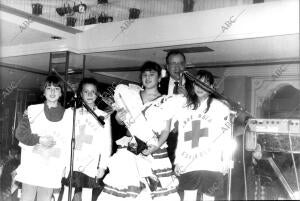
{"x":121,"y":115}
{"x":47,"y":141}
{"x":150,"y":150}
{"x":25,"y":114}
{"x":14,"y":185}
{"x":182,"y":90}
{"x":100,"y":173}
{"x":64,"y":172}
{"x":109,"y":101}
{"x":77,"y":196}
{"x":178,"y":170}
{"x":225,"y":167}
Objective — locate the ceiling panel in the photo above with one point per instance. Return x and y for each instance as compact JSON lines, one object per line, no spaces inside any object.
{"x":36,"y":61}
{"x":13,"y":34}
{"x":277,"y":48}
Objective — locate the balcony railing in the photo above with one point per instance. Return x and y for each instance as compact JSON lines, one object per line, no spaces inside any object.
{"x":79,"y":13}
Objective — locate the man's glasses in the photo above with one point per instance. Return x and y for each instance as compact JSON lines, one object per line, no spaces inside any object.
{"x":176,"y":64}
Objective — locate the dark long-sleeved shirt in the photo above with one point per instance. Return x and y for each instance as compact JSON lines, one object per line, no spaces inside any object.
{"x":24,"y":133}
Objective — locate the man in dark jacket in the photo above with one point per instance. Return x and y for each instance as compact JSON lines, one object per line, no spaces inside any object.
{"x":173,"y":83}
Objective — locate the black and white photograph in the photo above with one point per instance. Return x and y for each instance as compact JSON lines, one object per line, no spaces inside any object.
{"x":149,"y":100}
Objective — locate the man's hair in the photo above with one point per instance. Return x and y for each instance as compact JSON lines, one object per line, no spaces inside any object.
{"x":174,"y":52}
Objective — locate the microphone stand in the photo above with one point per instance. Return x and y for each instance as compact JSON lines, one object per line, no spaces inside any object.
{"x":72,"y":150}
{"x":234,"y":107}
{"x":230,"y":103}
{"x":100,"y":120}
{"x":232,"y":117}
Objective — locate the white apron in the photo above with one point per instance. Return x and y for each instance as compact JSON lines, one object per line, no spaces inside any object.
{"x":42,"y":166}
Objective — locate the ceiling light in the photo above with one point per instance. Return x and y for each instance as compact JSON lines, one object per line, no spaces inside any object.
{"x":71,"y":21}
{"x":37,"y":9}
{"x":56,"y":37}
{"x":102,"y":1}
{"x":191,"y":49}
{"x":81,"y":8}
{"x":134,"y":13}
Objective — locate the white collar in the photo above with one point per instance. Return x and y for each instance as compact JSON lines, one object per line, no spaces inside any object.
{"x":173,"y":80}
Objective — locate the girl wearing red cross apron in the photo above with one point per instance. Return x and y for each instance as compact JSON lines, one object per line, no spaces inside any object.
{"x":201,"y":156}
{"x":92,"y":144}
{"x":44,"y":136}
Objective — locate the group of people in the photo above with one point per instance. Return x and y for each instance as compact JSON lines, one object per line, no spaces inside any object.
{"x":185,"y":150}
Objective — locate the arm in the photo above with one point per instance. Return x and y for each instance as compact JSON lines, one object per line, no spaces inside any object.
{"x":164,"y":134}
{"x":120,"y":116}
{"x":24,"y":134}
{"x":106,"y":149}
{"x":180,"y":161}
{"x":161,"y":140}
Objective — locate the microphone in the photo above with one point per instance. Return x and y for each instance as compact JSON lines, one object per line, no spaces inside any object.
{"x":108,"y":101}
{"x":100,"y":119}
{"x":181,"y":78}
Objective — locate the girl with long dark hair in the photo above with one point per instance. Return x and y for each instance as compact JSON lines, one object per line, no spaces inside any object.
{"x":202,"y":156}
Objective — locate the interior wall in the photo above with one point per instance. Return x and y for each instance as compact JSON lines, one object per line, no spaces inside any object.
{"x":11,"y":111}
{"x":253,"y":85}
{"x":238,"y":89}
